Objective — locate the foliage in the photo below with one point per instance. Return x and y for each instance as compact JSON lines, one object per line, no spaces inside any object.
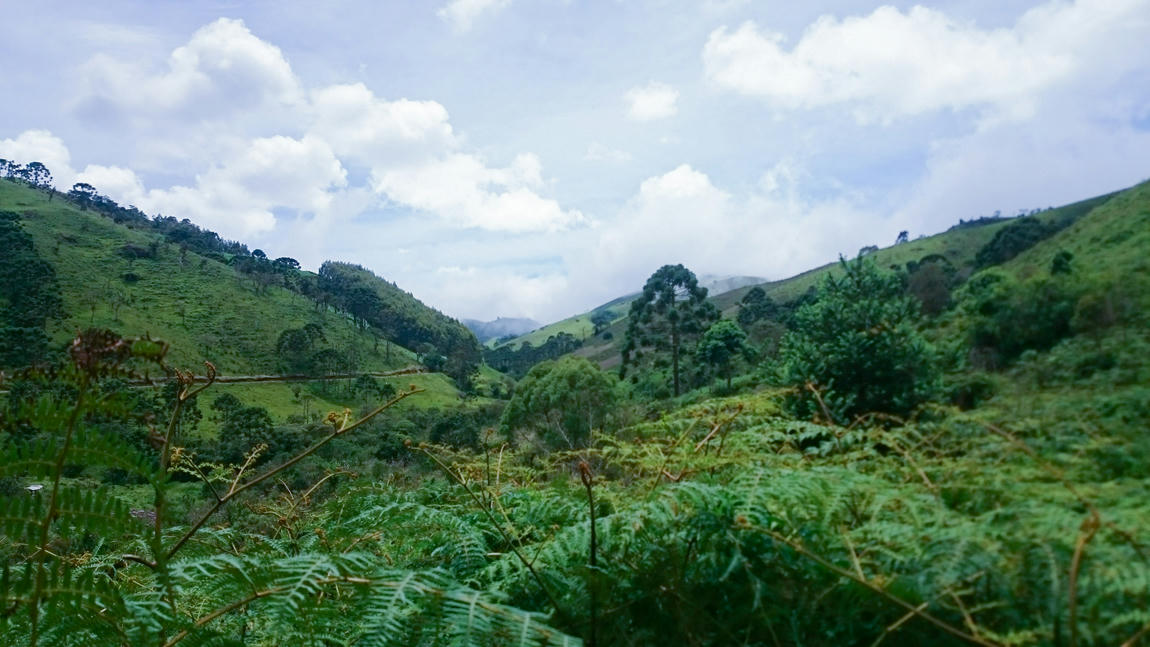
{"x":83,"y":568}
{"x":858,"y":345}
{"x":930,"y":282}
{"x":721,"y":347}
{"x":29,"y":296}
{"x":1015,"y":238}
{"x":756,"y":306}
{"x":563,"y":401}
{"x":374,"y":302}
{"x":516,"y":361}
{"x":1007,"y":317}
{"x":671,"y":311}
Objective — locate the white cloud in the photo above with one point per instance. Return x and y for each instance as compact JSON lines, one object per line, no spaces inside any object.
{"x":461,"y":14}
{"x":408,"y":148}
{"x":116,"y":182}
{"x":652,"y":101}
{"x":44,"y":147}
{"x":363,"y":127}
{"x":682,"y":217}
{"x":237,"y":198}
{"x":464,"y":190}
{"x":1066,"y":158}
{"x":891,"y":63}
{"x":483,"y":291}
{"x":222,"y":69}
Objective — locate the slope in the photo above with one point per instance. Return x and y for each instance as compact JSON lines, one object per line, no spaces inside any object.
{"x":959,"y":245}
{"x":206,"y":309}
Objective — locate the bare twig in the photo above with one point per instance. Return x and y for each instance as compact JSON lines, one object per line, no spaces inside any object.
{"x":894,"y":626}
{"x":1085,"y":534}
{"x":916,"y":610}
{"x":235,"y":491}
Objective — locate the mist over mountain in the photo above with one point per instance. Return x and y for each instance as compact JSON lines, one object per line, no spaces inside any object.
{"x":501,"y":327}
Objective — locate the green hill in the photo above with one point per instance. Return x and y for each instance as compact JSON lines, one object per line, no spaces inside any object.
{"x":959,"y":246}
{"x":128,"y":277}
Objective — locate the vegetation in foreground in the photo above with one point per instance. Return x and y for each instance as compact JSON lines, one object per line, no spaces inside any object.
{"x":933,"y":455}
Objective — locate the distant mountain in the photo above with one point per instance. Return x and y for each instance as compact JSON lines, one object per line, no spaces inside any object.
{"x":501,"y":327}
{"x":719,"y":284}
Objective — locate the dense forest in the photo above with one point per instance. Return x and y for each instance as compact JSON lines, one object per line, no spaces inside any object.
{"x":942,"y":442}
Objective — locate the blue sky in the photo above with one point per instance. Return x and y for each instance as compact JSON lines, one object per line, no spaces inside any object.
{"x":538,"y":157}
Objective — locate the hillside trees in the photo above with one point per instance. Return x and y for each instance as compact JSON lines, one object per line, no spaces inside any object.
{"x":929,"y":281}
{"x":1007,"y":317}
{"x":29,"y":296}
{"x":671,"y":311}
{"x":600,"y":320}
{"x":857,"y":344}
{"x":373,"y":302}
{"x":722,"y":346}
{"x":1012,"y":240}
{"x":562,"y":401}
{"x":517,"y":361}
{"x":38,"y":175}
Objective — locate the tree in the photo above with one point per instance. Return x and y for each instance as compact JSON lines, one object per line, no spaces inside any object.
{"x":671,"y":310}
{"x":756,"y":306}
{"x":38,"y":175}
{"x":243,"y":429}
{"x":858,"y":344}
{"x":601,"y":320}
{"x":722,"y":344}
{"x":83,"y":194}
{"x":29,"y":296}
{"x":562,"y":401}
{"x":285,"y":263}
{"x":1060,"y":264}
{"x":929,"y":282}
{"x":903,"y":236}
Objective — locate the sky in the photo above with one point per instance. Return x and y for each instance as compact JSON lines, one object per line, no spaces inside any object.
{"x":539,"y":157}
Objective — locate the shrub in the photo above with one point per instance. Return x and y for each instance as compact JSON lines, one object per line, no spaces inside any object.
{"x":562,"y":401}
{"x":858,"y":344}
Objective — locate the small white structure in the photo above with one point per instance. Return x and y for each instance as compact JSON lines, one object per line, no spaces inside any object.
{"x":34,"y":488}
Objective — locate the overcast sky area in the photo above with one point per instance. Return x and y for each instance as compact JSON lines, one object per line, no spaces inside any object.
{"x":539,"y":157}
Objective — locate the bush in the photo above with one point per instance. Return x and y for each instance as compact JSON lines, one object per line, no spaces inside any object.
{"x":1012,"y":240}
{"x":857,"y":343}
{"x":1010,"y":317}
{"x":562,"y":401}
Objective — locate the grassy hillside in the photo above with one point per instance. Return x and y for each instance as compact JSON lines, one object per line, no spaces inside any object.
{"x":578,"y":326}
{"x":204,"y":308}
{"x":959,"y":245}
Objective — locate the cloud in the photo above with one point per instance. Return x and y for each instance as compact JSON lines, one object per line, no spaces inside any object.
{"x":652,"y":101}
{"x":415,"y":160}
{"x":461,"y":14}
{"x":238,"y":197}
{"x":44,"y":147}
{"x":496,"y":291}
{"x":467,"y":192}
{"x":407,"y":149}
{"x":1065,"y":156}
{"x":116,"y":182}
{"x":370,"y":130}
{"x":890,"y":63}
{"x":221,"y":70}
{"x":681,"y":216}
